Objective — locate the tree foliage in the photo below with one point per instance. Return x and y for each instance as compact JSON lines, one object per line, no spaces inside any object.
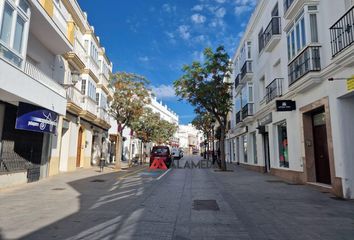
{"x":204,"y":122}
{"x":151,"y":128}
{"x":205,"y":86}
{"x":131,"y":94}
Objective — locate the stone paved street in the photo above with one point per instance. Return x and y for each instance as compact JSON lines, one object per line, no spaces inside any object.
{"x":139,"y":204}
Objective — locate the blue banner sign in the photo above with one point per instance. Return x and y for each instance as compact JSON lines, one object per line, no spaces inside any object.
{"x":37,"y":119}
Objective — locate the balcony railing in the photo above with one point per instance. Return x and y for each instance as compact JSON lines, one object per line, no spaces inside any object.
{"x":273,"y":28}
{"x":342,"y":32}
{"x":75,"y":96}
{"x":80,"y":50}
{"x":246,"y":68}
{"x":287,"y":4}
{"x":90,"y":105}
{"x":102,"y":114}
{"x":247,"y":110}
{"x":307,"y":61}
{"x":237,"y":80}
{"x":274,"y":89}
{"x":238,"y":117}
{"x":35,"y":73}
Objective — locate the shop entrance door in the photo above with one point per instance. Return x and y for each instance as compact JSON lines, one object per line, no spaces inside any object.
{"x":79,"y":147}
{"x":266,"y":152}
{"x":323,"y":173}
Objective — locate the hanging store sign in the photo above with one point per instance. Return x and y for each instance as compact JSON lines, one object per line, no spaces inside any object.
{"x":36,"y":119}
{"x":350,"y":84}
{"x":285,"y":105}
{"x":266,"y":120}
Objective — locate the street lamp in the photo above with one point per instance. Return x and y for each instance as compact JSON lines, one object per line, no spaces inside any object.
{"x":75,"y":77}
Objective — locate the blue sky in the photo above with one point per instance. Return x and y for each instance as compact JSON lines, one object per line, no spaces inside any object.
{"x":155,"y":38}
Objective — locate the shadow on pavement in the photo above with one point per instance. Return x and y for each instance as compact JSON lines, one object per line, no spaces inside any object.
{"x":108,"y":206}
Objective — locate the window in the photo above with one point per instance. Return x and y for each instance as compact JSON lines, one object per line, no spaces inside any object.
{"x":97,"y":97}
{"x":283,"y":145}
{"x":20,"y":25}
{"x":83,"y":86}
{"x":250,"y":93}
{"x":313,"y":25}
{"x":296,"y":37}
{"x":13,"y":25}
{"x":244,"y":142}
{"x":260,"y":40}
{"x":6,"y":24}
{"x":254,"y":145}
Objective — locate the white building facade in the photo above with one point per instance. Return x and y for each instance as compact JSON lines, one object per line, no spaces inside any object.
{"x":50,"y":89}
{"x":288,"y":119}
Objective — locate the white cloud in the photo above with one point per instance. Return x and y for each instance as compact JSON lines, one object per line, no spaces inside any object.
{"x":220,"y":1}
{"x":169,"y":8}
{"x":184,"y":32}
{"x":242,"y":9}
{"x":144,"y":59}
{"x":198,"y":56}
{"x":220,"y":13}
{"x":198,"y":8}
{"x":164,"y":91}
{"x":198,"y":18}
{"x":243,"y":6}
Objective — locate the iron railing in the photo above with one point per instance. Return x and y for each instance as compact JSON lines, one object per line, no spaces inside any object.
{"x":246,"y":68}
{"x":274,"y":89}
{"x":342,"y":32}
{"x":247,"y":110}
{"x":238,"y":117}
{"x":273,"y":28}
{"x":307,"y":61}
{"x":237,"y":81}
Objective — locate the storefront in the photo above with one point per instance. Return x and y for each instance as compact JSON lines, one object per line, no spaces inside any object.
{"x":26,"y":140}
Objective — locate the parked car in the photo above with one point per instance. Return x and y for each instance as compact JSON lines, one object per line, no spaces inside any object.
{"x":177,"y":153}
{"x":161,"y":152}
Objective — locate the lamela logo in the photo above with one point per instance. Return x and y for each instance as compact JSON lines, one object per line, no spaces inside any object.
{"x":202,"y":164}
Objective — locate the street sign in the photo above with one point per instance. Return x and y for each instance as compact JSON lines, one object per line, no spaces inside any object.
{"x":36,"y":119}
{"x":285,"y":105}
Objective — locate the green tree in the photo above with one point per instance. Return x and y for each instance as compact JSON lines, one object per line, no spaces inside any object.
{"x":131,"y":94}
{"x":165,"y":132}
{"x":206,"y":86}
{"x":145,"y":128}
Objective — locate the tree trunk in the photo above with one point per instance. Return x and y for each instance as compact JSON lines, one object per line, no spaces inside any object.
{"x":119,"y":143}
{"x":141,"y":152}
{"x":222,"y":147}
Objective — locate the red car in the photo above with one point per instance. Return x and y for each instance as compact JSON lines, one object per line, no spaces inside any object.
{"x":161,"y":152}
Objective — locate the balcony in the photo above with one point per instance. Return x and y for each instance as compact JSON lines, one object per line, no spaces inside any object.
{"x":342,"y":33}
{"x":102,"y":114}
{"x":49,"y":25}
{"x":93,"y":68}
{"x":28,"y":83}
{"x":75,"y":100}
{"x":293,"y":7}
{"x":272,"y":34}
{"x":307,"y":61}
{"x":238,"y":117}
{"x":89,"y":108}
{"x":78,"y":56}
{"x":247,"y":111}
{"x":237,"y":81}
{"x":246,"y":71}
{"x":274,"y":89}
